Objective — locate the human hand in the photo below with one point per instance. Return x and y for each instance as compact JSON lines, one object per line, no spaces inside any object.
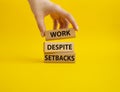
{"x":42,"y":8}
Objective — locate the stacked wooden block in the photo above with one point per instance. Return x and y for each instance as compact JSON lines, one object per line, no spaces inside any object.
{"x":59,"y":51}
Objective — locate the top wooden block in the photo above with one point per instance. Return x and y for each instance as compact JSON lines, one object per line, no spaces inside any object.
{"x":60,"y":34}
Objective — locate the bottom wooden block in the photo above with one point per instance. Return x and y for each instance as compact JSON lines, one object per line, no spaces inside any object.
{"x":59,"y":57}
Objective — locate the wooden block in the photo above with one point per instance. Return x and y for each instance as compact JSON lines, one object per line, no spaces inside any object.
{"x":59,"y":58}
{"x":60,"y":34}
{"x":53,"y":47}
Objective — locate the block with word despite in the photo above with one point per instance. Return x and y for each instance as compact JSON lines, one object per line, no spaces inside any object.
{"x":59,"y":57}
{"x":54,"y":47}
{"x":60,"y":34}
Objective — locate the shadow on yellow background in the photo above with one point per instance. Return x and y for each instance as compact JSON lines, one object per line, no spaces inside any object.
{"x":97,"y":47}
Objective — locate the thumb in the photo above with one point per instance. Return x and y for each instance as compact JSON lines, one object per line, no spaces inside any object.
{"x":41,"y":25}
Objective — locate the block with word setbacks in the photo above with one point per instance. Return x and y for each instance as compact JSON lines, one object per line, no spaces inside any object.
{"x":59,"y":57}
{"x":60,"y":34}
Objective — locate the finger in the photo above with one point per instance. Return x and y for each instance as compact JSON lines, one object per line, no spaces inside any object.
{"x":66,"y":23}
{"x":68,"y":16}
{"x":72,"y":21}
{"x":61,"y":22}
{"x":55,"y":24}
{"x":41,"y":24}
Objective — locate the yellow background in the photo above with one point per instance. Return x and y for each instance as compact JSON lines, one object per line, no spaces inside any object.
{"x":97,"y":47}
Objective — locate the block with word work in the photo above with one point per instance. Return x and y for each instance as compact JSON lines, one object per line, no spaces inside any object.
{"x":60,"y":34}
{"x":54,"y":47}
{"x":59,"y":57}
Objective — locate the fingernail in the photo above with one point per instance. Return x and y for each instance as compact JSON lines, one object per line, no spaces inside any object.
{"x":77,"y":28}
